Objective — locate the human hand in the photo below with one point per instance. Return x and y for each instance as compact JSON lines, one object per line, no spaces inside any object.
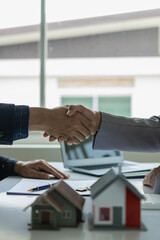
{"x":149,"y":179}
{"x":93,"y":116}
{"x":55,"y":123}
{"x":37,"y":169}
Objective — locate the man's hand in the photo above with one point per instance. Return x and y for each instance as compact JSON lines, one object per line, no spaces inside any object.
{"x":149,"y":179}
{"x":37,"y":169}
{"x":93,"y":116}
{"x":55,"y":123}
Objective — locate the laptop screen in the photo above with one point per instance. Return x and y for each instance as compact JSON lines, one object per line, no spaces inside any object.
{"x":83,"y":154}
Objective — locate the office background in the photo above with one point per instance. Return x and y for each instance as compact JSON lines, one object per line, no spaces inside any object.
{"x":101,"y":55}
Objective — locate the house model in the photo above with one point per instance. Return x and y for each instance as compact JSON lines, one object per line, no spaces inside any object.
{"x":60,"y":206}
{"x":115,"y":202}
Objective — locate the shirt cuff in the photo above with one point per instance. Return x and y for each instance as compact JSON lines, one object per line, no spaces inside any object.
{"x":7,"y":167}
{"x":21,"y":119}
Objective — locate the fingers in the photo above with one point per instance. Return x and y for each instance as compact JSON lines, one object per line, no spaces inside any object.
{"x":58,"y":124}
{"x":77,"y":134}
{"x":44,"y":166}
{"x":61,"y":139}
{"x":77,"y":127}
{"x":38,"y":169}
{"x":93,"y":116}
{"x":88,"y":128}
{"x":75,"y":130}
{"x":45,"y":134}
{"x":51,"y":138}
{"x":69,"y":142}
{"x":38,"y":174}
{"x":65,"y":176}
{"x":72,"y":109}
{"x":80,"y":126}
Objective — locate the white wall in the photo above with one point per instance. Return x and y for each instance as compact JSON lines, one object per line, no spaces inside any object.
{"x":146,"y":96}
{"x":20,"y":90}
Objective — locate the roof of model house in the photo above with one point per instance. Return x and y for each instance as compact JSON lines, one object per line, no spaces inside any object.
{"x":64,"y":190}
{"x":107,"y":179}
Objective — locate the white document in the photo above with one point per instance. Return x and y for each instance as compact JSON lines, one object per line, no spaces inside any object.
{"x":138,"y":167}
{"x":25,"y":184}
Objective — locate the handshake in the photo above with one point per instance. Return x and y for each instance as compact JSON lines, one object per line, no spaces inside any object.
{"x":70,"y":123}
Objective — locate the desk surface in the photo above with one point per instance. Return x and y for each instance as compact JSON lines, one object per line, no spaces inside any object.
{"x":14,"y":221}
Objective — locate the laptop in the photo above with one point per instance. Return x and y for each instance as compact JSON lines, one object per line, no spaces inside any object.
{"x":83,"y":159}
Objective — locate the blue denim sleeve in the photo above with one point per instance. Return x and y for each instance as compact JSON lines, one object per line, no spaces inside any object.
{"x":6,"y":123}
{"x":13,"y":122}
{"x":13,"y":126}
{"x":7,"y":167}
{"x":21,"y":118}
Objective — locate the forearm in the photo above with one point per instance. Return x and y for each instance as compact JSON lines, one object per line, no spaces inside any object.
{"x":38,"y":118}
{"x":128,"y":134}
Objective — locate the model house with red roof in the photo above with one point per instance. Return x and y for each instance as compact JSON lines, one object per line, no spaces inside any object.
{"x":60,"y":206}
{"x":115,"y":202}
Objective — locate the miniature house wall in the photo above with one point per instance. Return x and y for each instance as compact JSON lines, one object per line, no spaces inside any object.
{"x":60,"y":206}
{"x":108,"y":198}
{"x":116,"y":202}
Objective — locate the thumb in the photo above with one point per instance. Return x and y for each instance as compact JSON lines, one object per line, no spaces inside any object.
{"x":72,"y":109}
{"x":86,"y":112}
{"x":71,"y":113}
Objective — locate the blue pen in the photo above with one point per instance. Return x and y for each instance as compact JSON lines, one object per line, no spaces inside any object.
{"x":41,"y":187}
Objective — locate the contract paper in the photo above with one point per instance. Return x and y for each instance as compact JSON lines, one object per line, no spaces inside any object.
{"x":22,"y":187}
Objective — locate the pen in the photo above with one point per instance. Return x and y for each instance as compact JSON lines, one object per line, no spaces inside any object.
{"x":41,"y":187}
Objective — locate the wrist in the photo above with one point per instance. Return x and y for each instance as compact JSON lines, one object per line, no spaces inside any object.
{"x":38,"y":119}
{"x":17,"y":167}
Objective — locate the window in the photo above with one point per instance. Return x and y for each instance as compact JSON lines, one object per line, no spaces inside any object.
{"x":95,"y":55}
{"x":115,"y":105}
{"x":86,"y":42}
{"x":105,"y":58}
{"x":19,"y":51}
{"x":86,"y":101}
{"x":104,"y":214}
{"x":66,"y":214}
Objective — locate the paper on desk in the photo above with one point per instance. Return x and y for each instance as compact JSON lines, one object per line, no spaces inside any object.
{"x":22,"y":187}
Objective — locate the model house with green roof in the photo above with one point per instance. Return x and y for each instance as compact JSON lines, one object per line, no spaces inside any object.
{"x":60,"y":206}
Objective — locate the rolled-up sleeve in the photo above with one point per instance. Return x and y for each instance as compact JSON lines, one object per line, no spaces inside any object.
{"x":21,"y":118}
{"x":7,"y":167}
{"x":13,"y":122}
{"x":7,"y":112}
